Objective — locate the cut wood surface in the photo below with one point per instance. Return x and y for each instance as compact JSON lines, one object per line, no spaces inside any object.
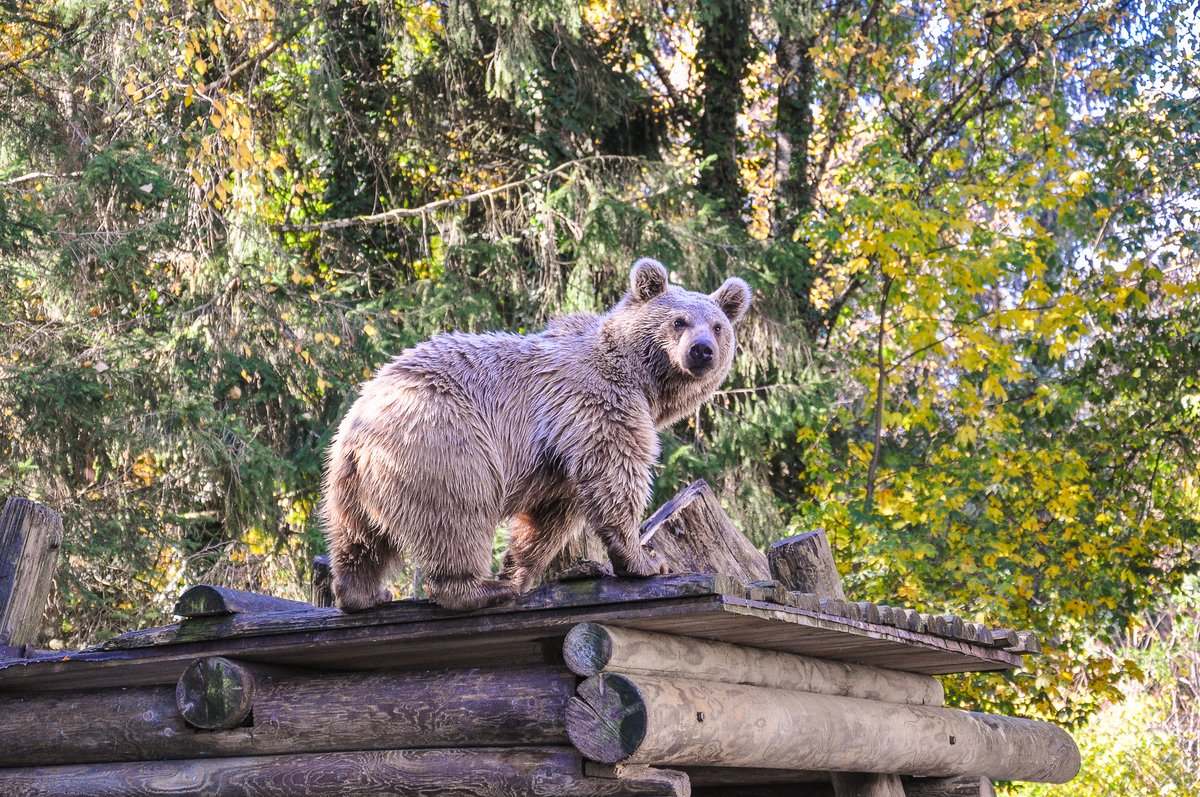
{"x":215,"y":693}
{"x":419,"y":634}
{"x":30,"y":538}
{"x":693,"y":534}
{"x":320,"y":712}
{"x":592,"y":648}
{"x":479,"y":772}
{"x":661,"y":722}
{"x":205,"y":600}
{"x":805,"y":563}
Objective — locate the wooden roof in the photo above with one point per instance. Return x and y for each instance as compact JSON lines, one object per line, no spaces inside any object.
{"x":419,"y":634}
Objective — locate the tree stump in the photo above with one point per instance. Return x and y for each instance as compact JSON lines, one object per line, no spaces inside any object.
{"x":694,"y":535}
{"x":30,"y":538}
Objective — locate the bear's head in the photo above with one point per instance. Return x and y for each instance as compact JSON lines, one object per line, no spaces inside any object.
{"x":686,"y":338}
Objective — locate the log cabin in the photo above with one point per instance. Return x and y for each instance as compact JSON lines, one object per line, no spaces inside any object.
{"x":741,"y":674}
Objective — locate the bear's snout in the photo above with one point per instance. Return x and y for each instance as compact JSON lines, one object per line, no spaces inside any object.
{"x":700,"y":356}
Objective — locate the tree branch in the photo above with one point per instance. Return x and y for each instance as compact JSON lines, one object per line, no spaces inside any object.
{"x":395,"y":214}
{"x":879,"y":390}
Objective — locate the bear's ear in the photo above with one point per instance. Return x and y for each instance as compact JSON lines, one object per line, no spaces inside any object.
{"x":733,"y":297}
{"x":647,"y":279}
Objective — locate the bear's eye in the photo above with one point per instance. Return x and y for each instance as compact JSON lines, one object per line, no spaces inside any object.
{"x":716,"y":329}
{"x":680,"y":323}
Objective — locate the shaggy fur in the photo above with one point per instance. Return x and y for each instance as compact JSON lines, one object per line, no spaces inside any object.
{"x":555,"y":431}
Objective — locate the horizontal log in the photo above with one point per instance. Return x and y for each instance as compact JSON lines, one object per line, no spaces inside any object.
{"x":205,"y":600}
{"x":495,"y":772}
{"x":592,"y":648}
{"x":319,"y":712}
{"x":663,"y":722}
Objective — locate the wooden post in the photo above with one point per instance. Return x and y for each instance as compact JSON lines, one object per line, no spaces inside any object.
{"x":693,"y":534}
{"x":804,"y":563}
{"x":30,"y":538}
{"x":321,"y":588}
{"x":664,"y":722}
{"x":591,"y":648}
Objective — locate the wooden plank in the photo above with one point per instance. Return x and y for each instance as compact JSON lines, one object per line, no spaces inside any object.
{"x":432,"y":638}
{"x":205,"y":600}
{"x":460,"y":772}
{"x":30,"y":538}
{"x":317,"y":712}
{"x":663,"y":722}
{"x":593,"y":648}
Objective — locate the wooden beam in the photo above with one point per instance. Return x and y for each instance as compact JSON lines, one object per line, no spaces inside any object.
{"x":458,"y":772}
{"x":30,"y":538}
{"x":383,"y":709}
{"x":205,"y":600}
{"x":664,"y":722}
{"x":320,"y":588}
{"x":804,"y":563}
{"x":591,"y":648}
{"x":693,"y":534}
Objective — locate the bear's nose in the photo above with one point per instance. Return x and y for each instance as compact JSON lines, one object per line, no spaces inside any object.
{"x":701,"y":354}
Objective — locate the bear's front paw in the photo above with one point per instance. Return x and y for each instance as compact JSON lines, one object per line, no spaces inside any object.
{"x":644,"y":566}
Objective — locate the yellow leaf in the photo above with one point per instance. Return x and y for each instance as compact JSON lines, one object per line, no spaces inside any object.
{"x":370,"y":330}
{"x":966,"y":435}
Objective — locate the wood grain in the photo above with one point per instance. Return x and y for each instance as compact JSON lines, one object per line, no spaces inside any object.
{"x":591,"y":648}
{"x":320,"y":712}
{"x":663,"y":722}
{"x":30,"y":538}
{"x":804,"y":563}
{"x":205,"y":600}
{"x":692,"y":533}
{"x":480,"y":772}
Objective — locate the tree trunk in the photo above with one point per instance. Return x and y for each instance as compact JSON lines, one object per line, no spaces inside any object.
{"x":723,"y":55}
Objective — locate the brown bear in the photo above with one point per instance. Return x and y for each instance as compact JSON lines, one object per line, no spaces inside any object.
{"x":554,"y":431}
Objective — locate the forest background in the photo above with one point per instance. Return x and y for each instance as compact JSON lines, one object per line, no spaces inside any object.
{"x":971,"y":227}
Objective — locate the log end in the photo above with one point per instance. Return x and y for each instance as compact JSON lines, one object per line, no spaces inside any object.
{"x":607,"y":721}
{"x":588,"y":648}
{"x":201,"y":600}
{"x":215,"y":693}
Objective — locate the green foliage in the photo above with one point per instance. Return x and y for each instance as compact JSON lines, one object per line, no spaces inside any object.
{"x":970,"y":229}
{"x":1148,"y":743}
